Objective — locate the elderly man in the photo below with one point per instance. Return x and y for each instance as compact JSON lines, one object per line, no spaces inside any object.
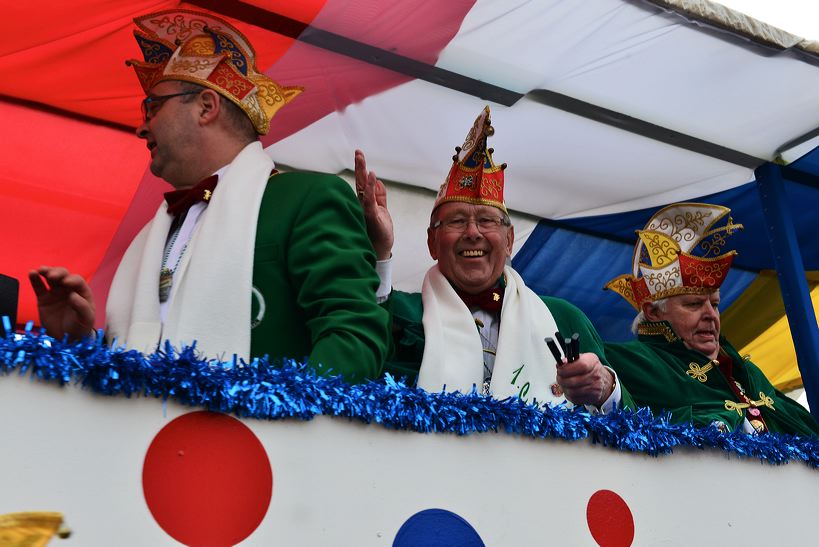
{"x":475,"y":322}
{"x":680,"y":363}
{"x":241,"y":259}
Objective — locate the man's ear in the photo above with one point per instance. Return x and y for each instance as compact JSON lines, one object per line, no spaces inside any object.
{"x":510,"y":240}
{"x":209,"y":106}
{"x":432,"y":243}
{"x":651,"y":312}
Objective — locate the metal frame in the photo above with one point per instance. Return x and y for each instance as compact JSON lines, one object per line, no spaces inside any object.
{"x":792,"y":282}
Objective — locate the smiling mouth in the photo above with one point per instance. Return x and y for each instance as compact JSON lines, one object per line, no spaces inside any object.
{"x":472,"y":253}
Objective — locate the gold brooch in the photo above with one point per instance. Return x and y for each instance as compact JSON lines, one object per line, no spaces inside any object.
{"x":758,"y":425}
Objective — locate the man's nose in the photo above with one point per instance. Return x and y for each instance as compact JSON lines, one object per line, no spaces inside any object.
{"x":471,"y":231}
{"x":142,"y":130}
{"x":710,"y":311}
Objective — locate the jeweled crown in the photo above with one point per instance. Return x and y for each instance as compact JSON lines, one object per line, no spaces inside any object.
{"x":204,"y":49}
{"x":474,"y":177}
{"x":664,"y":262}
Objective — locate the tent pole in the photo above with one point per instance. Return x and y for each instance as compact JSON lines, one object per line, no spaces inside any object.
{"x":791,"y":273}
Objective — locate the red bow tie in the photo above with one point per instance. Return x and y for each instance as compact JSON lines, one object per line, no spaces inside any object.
{"x":179,"y":201}
{"x":490,"y":300}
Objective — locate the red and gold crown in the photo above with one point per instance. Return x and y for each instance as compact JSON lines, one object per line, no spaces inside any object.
{"x":664,"y":263}
{"x":474,"y":177}
{"x":206,"y":50}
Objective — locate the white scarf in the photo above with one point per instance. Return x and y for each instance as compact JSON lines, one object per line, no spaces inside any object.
{"x":453,"y":354}
{"x":211,"y":293}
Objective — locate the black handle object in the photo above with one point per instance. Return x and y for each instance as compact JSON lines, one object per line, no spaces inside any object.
{"x":554,"y":349}
{"x":9,"y":293}
{"x":563,"y":347}
{"x":574,"y":344}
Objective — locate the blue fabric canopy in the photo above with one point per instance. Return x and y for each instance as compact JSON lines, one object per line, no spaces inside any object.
{"x":573,"y":259}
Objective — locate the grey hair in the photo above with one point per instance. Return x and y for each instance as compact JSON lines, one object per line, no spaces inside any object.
{"x":234,"y":115}
{"x":658,"y":305}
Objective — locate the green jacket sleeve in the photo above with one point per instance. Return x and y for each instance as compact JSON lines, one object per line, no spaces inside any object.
{"x":315,"y":268}
{"x":333,"y":267}
{"x":407,"y":341}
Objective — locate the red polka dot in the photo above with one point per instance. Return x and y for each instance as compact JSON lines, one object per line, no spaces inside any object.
{"x":610,"y":520}
{"x":207,"y":479}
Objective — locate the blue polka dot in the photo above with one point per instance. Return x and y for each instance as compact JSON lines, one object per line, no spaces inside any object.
{"x":436,"y":528}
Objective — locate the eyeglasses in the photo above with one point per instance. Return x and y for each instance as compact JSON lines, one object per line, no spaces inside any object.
{"x":152,"y":104}
{"x":459,"y":224}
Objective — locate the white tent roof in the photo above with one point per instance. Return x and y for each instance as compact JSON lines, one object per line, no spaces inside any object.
{"x":632,"y":58}
{"x":627,"y":73}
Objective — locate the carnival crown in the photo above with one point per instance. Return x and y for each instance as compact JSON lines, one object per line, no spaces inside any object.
{"x":206,"y":50}
{"x":664,"y":265}
{"x":474,"y":177}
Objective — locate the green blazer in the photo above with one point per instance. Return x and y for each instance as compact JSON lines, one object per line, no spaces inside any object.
{"x":656,"y":368}
{"x":314,"y":279}
{"x":407,"y":350}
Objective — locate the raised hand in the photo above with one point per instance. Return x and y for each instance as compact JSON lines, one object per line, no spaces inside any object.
{"x":373,"y":197}
{"x":65,"y":302}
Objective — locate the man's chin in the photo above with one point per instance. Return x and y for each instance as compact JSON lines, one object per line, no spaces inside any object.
{"x":710,"y":349}
{"x":472,"y":286}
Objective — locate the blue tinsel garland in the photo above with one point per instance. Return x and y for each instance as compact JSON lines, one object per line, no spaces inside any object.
{"x":261,"y":390}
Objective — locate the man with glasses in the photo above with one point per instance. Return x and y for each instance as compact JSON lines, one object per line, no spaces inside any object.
{"x":240,"y":259}
{"x":475,"y":322}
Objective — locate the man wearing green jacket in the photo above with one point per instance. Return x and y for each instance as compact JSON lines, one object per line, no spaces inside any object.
{"x":240,"y":259}
{"x":475,"y":322}
{"x":680,"y":363}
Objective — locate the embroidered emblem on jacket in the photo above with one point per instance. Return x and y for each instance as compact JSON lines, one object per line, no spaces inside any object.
{"x":701,"y":372}
{"x":657,"y":329}
{"x":764,"y":400}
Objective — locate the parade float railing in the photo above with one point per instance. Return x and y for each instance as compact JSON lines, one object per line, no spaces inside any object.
{"x":505,"y":477}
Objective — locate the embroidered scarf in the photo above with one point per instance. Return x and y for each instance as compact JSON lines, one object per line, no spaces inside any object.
{"x":453,"y":354}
